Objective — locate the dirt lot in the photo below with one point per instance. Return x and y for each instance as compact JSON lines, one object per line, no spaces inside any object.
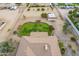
{"x":10,"y":16}
{"x":34,"y":13}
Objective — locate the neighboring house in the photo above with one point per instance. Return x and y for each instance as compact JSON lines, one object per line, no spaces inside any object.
{"x":39,"y":44}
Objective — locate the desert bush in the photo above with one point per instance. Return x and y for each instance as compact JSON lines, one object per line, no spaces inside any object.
{"x":73,"y":39}
{"x":38,"y":9}
{"x":28,"y":9}
{"x":44,"y":15}
{"x":42,"y":9}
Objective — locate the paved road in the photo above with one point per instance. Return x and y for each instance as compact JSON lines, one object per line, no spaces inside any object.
{"x":61,"y":35}
{"x":59,"y":32}
{"x":18,"y":22}
{"x":10,"y":17}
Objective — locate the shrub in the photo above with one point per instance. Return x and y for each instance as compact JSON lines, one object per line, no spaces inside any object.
{"x":38,"y":20}
{"x":42,"y":9}
{"x":9,"y":30}
{"x":38,"y":9}
{"x":44,"y":15}
{"x":62,"y":48}
{"x":51,"y":27}
{"x":61,"y":44}
{"x":70,"y":12}
{"x":77,"y":15}
{"x":73,"y":39}
{"x":71,"y":18}
{"x":27,"y":4}
{"x":15,"y":32}
{"x":65,"y":27}
{"x":6,"y":47}
{"x":18,"y":4}
{"x":73,"y":51}
{"x":69,"y":46}
{"x":28,"y":9}
{"x":76,"y":9}
{"x":35,"y":6}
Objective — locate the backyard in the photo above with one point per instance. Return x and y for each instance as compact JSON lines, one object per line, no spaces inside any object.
{"x":27,"y":28}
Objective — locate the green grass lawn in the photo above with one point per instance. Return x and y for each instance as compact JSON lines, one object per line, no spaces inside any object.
{"x":27,"y":28}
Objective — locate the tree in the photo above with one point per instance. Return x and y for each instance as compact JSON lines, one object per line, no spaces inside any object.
{"x":38,"y":9}
{"x":15,"y":32}
{"x":76,"y":9}
{"x":6,"y":47}
{"x":77,"y":15}
{"x":65,"y":27}
{"x":42,"y":9}
{"x":74,"y":12}
{"x":73,"y":51}
{"x":28,"y":9}
{"x":70,"y":12}
{"x":27,"y":4}
{"x":38,"y":21}
{"x":69,"y":46}
{"x":18,"y":4}
{"x":51,"y":27}
{"x":62,"y":48}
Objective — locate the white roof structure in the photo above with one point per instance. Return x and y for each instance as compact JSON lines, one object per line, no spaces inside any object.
{"x":51,"y":15}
